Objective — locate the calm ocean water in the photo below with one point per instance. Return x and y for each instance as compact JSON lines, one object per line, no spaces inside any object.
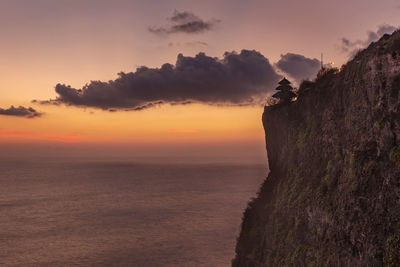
{"x":122,"y":214}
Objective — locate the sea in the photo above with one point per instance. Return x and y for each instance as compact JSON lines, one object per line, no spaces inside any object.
{"x":117,"y":213}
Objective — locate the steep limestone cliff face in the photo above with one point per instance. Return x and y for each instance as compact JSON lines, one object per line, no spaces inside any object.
{"x":332,"y":197}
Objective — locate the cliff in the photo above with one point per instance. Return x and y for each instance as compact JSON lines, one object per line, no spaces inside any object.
{"x":332,"y":197}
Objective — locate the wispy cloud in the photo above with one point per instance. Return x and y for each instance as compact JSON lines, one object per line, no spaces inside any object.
{"x":352,"y":46}
{"x":185,"y":22}
{"x":191,"y":43}
{"x":20,"y":112}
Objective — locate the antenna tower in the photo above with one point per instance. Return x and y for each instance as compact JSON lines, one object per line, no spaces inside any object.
{"x":322,"y":61}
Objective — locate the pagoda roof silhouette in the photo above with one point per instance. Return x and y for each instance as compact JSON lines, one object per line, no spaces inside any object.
{"x":284,"y":81}
{"x":284,"y":87}
{"x":285,"y":95}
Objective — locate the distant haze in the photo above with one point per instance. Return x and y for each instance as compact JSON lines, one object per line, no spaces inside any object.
{"x":245,"y":152}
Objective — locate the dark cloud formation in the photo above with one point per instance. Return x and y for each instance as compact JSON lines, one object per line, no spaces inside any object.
{"x":237,"y":79}
{"x":298,"y":66}
{"x":185,"y":22}
{"x":20,"y":112}
{"x":351,"y":47}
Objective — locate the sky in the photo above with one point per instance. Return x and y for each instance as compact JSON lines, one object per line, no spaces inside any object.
{"x":164,"y":78}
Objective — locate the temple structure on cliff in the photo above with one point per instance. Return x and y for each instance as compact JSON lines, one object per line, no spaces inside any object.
{"x":285,"y":91}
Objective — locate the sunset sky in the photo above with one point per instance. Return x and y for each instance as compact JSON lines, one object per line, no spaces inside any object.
{"x":201,"y":104}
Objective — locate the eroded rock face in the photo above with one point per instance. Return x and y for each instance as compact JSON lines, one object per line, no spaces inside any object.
{"x":332,"y":197}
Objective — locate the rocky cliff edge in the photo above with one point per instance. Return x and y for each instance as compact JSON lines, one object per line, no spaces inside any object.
{"x":332,"y":197}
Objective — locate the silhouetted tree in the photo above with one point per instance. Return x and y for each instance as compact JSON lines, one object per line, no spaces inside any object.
{"x":285,"y":93}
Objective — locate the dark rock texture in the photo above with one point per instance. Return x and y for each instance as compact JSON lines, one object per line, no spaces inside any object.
{"x":332,"y":197}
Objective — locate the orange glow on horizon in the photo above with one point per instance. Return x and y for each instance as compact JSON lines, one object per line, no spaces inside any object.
{"x":66,"y":138}
{"x":186,"y":124}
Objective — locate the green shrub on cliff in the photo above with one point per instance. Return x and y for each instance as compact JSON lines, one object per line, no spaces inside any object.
{"x":392,"y":257}
{"x":395,"y":155}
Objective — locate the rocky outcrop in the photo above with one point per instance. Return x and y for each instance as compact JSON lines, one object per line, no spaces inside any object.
{"x":332,"y":197}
